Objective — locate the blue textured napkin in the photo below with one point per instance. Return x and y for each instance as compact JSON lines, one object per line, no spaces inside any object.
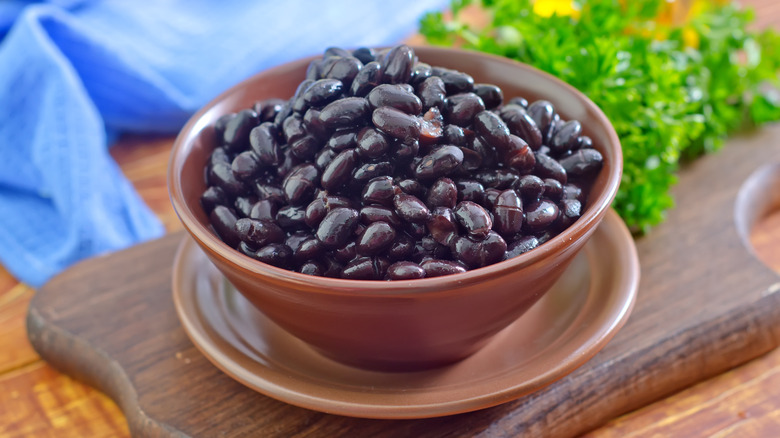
{"x":75,"y":73}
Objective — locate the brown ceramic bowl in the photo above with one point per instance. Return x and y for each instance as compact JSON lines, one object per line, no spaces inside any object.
{"x":397,"y":325}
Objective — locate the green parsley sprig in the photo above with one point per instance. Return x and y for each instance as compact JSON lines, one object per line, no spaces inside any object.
{"x":668,"y":101}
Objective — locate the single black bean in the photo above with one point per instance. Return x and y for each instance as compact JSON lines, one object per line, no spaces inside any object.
{"x":312,"y":267}
{"x":571,"y":191}
{"x":401,"y":248}
{"x":394,"y":96}
{"x":508,"y":213}
{"x":283,"y":113}
{"x":540,"y":214}
{"x":432,"y":92}
{"x":343,"y":139}
{"x":292,"y":128}
{"x":474,"y":218}
{"x":295,"y":240}
{"x":521,"y":124}
{"x":467,"y":250}
{"x":397,"y":65}
{"x":219,"y":127}
{"x":404,"y":271}
{"x":321,"y":205}
{"x":469,"y":190}
{"x":258,"y":232}
{"x":460,"y":109}
{"x":322,"y":92}
{"x":420,"y":72}
{"x":442,"y":225}
{"x":396,"y":123}
{"x":543,"y":114}
{"x":438,"y":268}
{"x":487,"y":152}
{"x":379,"y":190}
{"x":237,"y":129}
{"x":219,"y":155}
{"x":440,"y":162}
{"x":454,"y":134}
{"x":339,"y":170}
{"x":583,"y":142}
{"x":364,"y":54}
{"x":223,"y":220}
{"x":410,"y":208}
{"x":313,"y":70}
{"x":246,"y":165}
{"x":570,"y":211}
{"x":553,"y":189}
{"x":336,"y":227}
{"x":520,"y":246}
{"x":492,"y":249}
{"x":367,"y":78}
{"x":313,"y":124}
{"x":490,"y":197}
{"x":222,"y":175}
{"x":519,"y":155}
{"x":583,"y":163}
{"x":372,"y":143}
{"x":300,"y":183}
{"x":519,"y":101}
{"x":270,"y":192}
{"x":472,"y":160}
{"x":275,"y":254}
{"x":376,"y":238}
{"x":243,"y":205}
{"x":566,"y":137}
{"x":372,"y":170}
{"x":335,"y":51}
{"x":343,"y":69}
{"x":348,"y":111}
{"x":362,"y":268}
{"x":324,"y":157}
{"x":495,"y":132}
{"x":372,"y":213}
{"x":443,"y":193}
{"x":529,"y":187}
{"x":490,"y":94}
{"x":454,"y":81}
{"x":402,"y":152}
{"x":497,"y":179}
{"x":267,"y":109}
{"x":263,"y":140}
{"x":547,"y":167}
{"x":296,"y":103}
{"x":291,"y":217}
{"x":212,"y":197}
{"x":305,"y":147}
{"x":263,"y":209}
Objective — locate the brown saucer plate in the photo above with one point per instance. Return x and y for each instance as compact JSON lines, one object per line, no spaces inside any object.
{"x":570,"y":324}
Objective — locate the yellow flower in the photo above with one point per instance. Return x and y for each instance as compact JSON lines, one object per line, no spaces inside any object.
{"x":564,"y":8}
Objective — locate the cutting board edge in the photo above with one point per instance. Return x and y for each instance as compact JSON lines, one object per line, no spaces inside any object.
{"x":94,"y":367}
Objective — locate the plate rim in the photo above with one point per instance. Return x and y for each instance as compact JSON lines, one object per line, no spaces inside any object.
{"x":621,"y":309}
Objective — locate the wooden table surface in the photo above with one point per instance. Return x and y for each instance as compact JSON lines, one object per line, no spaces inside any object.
{"x":38,"y":401}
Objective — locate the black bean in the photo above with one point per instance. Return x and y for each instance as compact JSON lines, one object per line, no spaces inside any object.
{"x":490,"y":126}
{"x":529,"y":187}
{"x":440,"y":162}
{"x":243,"y":205}
{"x":219,"y":127}
{"x":258,"y":232}
{"x":379,"y":190}
{"x":372,"y":170}
{"x":432,"y":92}
{"x":345,"y":253}
{"x":364,"y":54}
{"x":223,"y":220}
{"x":372,"y":143}
{"x":222,"y":175}
{"x":490,"y":94}
{"x":570,"y":211}
{"x":246,"y":165}
{"x":313,"y":70}
{"x":438,"y":268}
{"x":397,"y":65}
{"x":460,"y":109}
{"x":343,"y":139}
{"x":402,"y":152}
{"x":583,"y":163}
{"x":291,"y":217}
{"x":442,"y":225}
{"x":472,"y":160}
{"x":371,"y":214}
{"x":520,"y":246}
{"x":571,"y":191}
{"x":305,"y":147}
{"x":519,"y":101}
{"x":377,"y":237}
{"x":565,"y":137}
{"x":283,"y":113}
{"x":219,"y":155}
{"x":553,"y":189}
{"x":300,"y":183}
{"x":339,"y":170}
{"x":521,"y":124}
{"x":540,"y":214}
{"x":583,"y":142}
{"x":420,"y":72}
{"x":487,"y":152}
{"x":508,"y":213}
{"x":519,"y":155}
{"x":237,"y":129}
{"x":454,"y":134}
{"x":348,"y":111}
{"x":543,"y":114}
{"x":312,"y":267}
{"x":492,"y":249}
{"x":454,"y":81}
{"x":289,"y":162}
{"x":396,"y":123}
{"x":322,"y":92}
{"x":418,"y":230}
{"x":443,"y":193}
{"x":497,"y":179}
{"x":428,"y":248}
{"x":332,"y":267}
{"x":410,"y":208}
{"x":343,"y":69}
{"x":469,"y":190}
{"x":336,"y":227}
{"x":263,"y":140}
{"x":362,"y":268}
{"x":321,"y":205}
{"x":474,"y":218}
{"x":394,"y":96}
{"x":296,"y":103}
{"x":267,"y":109}
{"x":212,"y":197}
{"x":275,"y":254}
{"x":367,"y":78}
{"x":490,"y":197}
{"x":335,"y":51}
{"x":547,"y":167}
{"x":269,"y":192}
{"x":247,"y":249}
{"x":404,"y":271}
{"x":401,"y":248}
{"x":324,"y":157}
{"x":263,"y":209}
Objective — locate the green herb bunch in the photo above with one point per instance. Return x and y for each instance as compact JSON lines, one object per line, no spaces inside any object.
{"x":672,"y":91}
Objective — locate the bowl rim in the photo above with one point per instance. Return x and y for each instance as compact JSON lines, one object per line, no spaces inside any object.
{"x":324,"y":285}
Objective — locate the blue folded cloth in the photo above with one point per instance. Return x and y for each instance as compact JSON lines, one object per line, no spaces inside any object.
{"x":76,"y":73}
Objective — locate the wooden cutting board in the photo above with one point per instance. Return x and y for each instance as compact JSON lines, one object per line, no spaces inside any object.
{"x":705,"y":305}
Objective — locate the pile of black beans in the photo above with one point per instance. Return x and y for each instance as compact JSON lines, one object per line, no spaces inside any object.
{"x":384,"y":167}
